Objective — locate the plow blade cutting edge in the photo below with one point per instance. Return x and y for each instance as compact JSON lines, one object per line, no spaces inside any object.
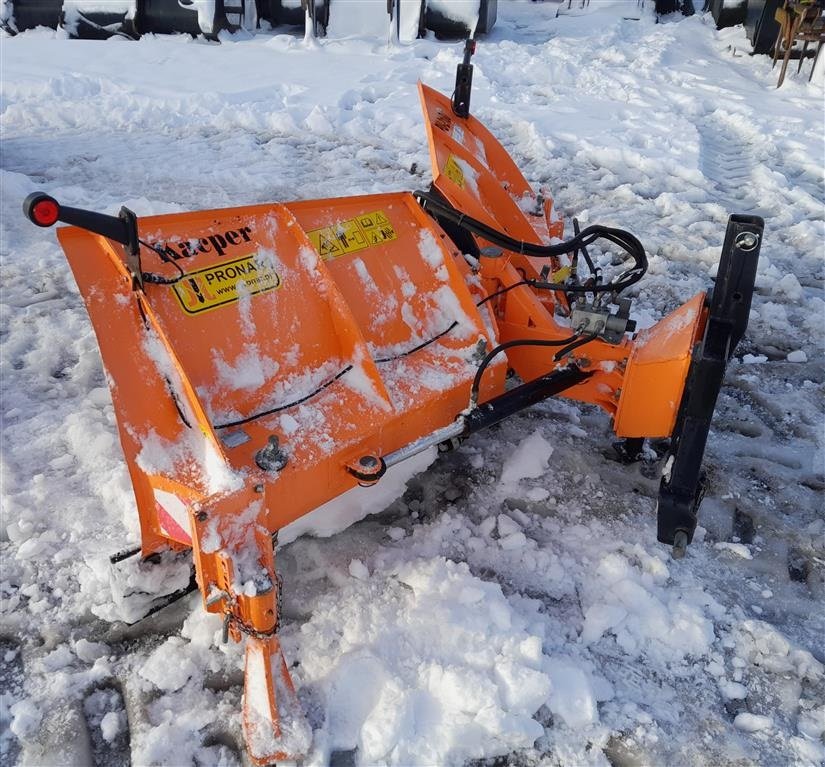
{"x":267,"y":359}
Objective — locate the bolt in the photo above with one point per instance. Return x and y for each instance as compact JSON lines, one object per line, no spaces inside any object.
{"x":201,"y":516}
{"x":368,"y":461}
{"x":271,"y":457}
{"x":747,"y":241}
{"x":258,"y":488}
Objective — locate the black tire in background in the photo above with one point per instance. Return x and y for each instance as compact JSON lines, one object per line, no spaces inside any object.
{"x":165,"y":17}
{"x":728,"y":15}
{"x":761,"y":26}
{"x":90,"y":23}
{"x":445,"y":27}
{"x":277,"y":13}
{"x":28,"y":14}
{"x":169,"y":17}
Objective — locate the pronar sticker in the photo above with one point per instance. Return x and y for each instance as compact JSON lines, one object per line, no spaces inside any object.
{"x":354,"y":234}
{"x":452,"y":170}
{"x":224,"y":284}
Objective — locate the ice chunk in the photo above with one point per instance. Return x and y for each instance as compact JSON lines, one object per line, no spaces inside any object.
{"x":528,"y":460}
{"x":571,"y":697}
{"x":169,"y":667}
{"x":110,"y":726}
{"x":740,"y":549}
{"x":26,"y":718}
{"x":357,"y":569}
{"x":752,"y":722}
{"x":507,"y":526}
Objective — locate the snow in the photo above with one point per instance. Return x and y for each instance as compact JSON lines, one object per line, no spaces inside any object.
{"x":508,"y":601}
{"x":357,"y":569}
{"x":464,"y":11}
{"x":164,"y":668}
{"x":571,"y":696}
{"x":752,"y":722}
{"x":26,"y":718}
{"x":735,"y":548}
{"x":440,"y":668}
{"x":528,"y":460}
{"x":110,"y":726}
{"x":369,"y":19}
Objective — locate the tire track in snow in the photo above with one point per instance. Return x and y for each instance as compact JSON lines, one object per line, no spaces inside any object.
{"x":732,"y":158}
{"x":728,"y":162}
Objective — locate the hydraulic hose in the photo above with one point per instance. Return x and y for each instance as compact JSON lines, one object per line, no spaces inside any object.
{"x":625,"y":240}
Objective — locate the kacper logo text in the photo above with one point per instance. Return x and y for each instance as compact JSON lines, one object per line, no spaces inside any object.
{"x":212,"y":243}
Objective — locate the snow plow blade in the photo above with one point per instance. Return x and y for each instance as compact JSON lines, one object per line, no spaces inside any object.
{"x":264,"y":360}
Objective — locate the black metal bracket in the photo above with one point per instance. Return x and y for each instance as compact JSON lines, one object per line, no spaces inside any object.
{"x":682,"y":485}
{"x":464,"y":81}
{"x":521,"y":397}
{"x":43,"y":210}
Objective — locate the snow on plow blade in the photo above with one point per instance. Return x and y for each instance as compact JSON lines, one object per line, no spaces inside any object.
{"x":264,"y":360}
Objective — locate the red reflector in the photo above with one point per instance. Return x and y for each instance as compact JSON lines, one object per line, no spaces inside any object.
{"x":45,"y":212}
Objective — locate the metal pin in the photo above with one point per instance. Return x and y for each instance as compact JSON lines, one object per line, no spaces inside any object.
{"x":216,"y":597}
{"x":747,"y":241}
{"x":680,"y":542}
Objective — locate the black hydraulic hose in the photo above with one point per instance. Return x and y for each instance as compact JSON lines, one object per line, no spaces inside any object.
{"x":505,"y":290}
{"x":509,"y":345}
{"x":589,"y":261}
{"x":562,"y":353}
{"x":625,"y":240}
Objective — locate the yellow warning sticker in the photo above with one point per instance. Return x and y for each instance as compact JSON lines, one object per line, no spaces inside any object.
{"x":224,"y":284}
{"x":453,"y":171}
{"x":352,"y":235}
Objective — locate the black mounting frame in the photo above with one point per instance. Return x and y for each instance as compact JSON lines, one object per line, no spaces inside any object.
{"x":683,"y":485}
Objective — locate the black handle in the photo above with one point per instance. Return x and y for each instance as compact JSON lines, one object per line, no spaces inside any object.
{"x":43,"y":210}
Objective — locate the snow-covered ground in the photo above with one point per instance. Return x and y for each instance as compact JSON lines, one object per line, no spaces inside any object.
{"x":493,"y":614}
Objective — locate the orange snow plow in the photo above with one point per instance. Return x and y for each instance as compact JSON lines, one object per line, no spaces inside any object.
{"x":266,"y":359}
